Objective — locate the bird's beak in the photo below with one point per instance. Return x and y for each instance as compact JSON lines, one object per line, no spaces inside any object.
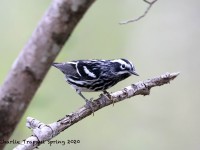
{"x":135,"y":73}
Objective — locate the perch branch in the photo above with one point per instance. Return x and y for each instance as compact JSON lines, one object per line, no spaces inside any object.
{"x":33,"y":62}
{"x":43,"y":132}
{"x":143,"y":15}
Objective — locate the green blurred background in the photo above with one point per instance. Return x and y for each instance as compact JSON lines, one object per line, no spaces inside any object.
{"x":166,"y":40}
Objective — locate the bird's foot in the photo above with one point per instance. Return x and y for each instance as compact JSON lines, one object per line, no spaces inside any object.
{"x":107,"y":94}
{"x":89,"y":104}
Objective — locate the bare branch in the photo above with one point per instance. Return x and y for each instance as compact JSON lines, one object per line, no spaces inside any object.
{"x":32,"y":64}
{"x":42,"y":132}
{"x":143,"y":15}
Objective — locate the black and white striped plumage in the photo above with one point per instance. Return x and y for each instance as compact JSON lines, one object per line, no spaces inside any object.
{"x":95,"y":75}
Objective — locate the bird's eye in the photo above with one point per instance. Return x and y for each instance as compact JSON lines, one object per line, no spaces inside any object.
{"x":123,"y":66}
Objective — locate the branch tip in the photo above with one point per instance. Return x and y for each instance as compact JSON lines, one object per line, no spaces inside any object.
{"x":150,"y":3}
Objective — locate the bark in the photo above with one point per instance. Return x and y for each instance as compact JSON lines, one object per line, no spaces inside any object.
{"x":32,"y":64}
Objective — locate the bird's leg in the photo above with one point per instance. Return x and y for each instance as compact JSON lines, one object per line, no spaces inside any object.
{"x":108,"y":95}
{"x":88,"y":102}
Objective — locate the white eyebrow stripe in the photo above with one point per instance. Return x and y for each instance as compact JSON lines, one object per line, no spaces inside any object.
{"x":124,"y":62}
{"x":119,"y":61}
{"x":88,"y":72}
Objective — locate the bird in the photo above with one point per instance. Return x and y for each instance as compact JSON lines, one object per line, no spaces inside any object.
{"x":95,"y":75}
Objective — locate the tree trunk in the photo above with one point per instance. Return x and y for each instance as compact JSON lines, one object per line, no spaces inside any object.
{"x":32,"y":64}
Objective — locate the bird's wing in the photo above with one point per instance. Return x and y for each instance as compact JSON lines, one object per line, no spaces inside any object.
{"x":88,"y":70}
{"x":83,"y":69}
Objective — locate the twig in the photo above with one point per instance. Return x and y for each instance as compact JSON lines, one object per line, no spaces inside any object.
{"x":42,"y":132}
{"x":143,"y":15}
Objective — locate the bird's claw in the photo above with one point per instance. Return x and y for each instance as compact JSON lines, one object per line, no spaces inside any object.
{"x":109,"y":96}
{"x":89,"y":104}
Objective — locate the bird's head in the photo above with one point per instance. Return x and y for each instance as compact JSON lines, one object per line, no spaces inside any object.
{"x":123,"y":66}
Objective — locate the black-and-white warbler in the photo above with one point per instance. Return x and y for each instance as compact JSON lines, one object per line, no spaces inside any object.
{"x":95,"y":75}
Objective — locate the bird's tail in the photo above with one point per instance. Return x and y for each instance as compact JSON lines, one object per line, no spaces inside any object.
{"x":61,"y":66}
{"x":55,"y":64}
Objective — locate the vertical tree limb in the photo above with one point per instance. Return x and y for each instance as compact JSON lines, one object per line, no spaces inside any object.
{"x":33,"y":62}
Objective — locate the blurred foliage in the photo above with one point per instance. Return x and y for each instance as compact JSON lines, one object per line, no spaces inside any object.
{"x":167,"y":39}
